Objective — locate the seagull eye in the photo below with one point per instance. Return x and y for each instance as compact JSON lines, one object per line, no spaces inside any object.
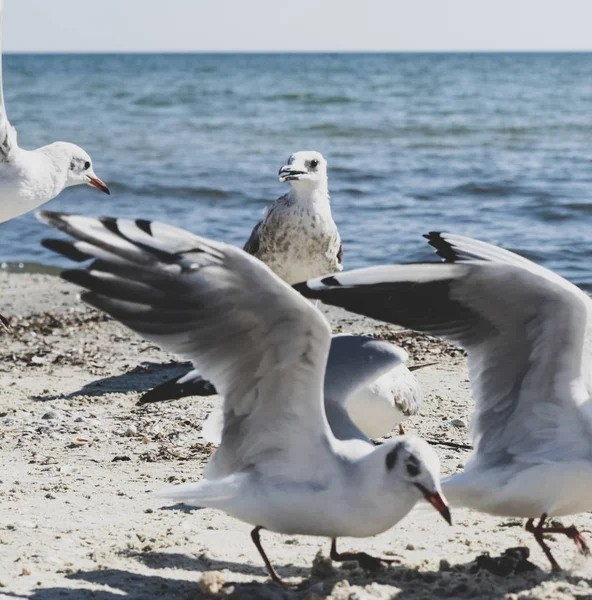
{"x":314,"y":163}
{"x":412,"y":469}
{"x":87,"y":165}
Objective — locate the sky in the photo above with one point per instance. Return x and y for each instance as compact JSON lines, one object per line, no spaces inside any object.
{"x":296,"y":25}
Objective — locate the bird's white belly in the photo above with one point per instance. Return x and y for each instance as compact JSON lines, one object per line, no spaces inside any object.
{"x":553,"y":488}
{"x":331,"y":511}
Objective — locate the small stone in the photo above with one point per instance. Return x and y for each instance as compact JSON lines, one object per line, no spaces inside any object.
{"x":409,"y":547}
{"x":50,"y":415}
{"x":131,"y":431}
{"x":444,"y":565}
{"x":458,"y":423}
{"x":25,"y":571}
{"x":211,"y":582}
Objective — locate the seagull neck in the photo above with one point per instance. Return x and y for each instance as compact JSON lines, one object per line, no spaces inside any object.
{"x":311,"y":195}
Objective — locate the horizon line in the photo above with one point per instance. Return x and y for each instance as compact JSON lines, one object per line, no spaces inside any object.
{"x":283,"y":52}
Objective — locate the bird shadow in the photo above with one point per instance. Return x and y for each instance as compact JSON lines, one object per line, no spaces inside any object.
{"x":457,"y":581}
{"x":139,"y":379}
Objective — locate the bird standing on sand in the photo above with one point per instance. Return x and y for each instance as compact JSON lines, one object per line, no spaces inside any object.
{"x":280,"y":465}
{"x":29,"y":178}
{"x":298,"y":236}
{"x":297,"y":240}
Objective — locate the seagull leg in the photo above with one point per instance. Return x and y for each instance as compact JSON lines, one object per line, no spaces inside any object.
{"x":257,"y":542}
{"x":367,"y":562}
{"x":538,"y":533}
{"x":401,"y":430}
{"x":573,"y":534}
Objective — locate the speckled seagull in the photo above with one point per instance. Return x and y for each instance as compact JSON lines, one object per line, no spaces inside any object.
{"x":298,"y":235}
{"x":29,"y":178}
{"x":298,"y":240}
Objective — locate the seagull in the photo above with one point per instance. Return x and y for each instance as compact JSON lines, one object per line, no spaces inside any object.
{"x":298,"y":236}
{"x":297,"y":240}
{"x":279,"y":465}
{"x":29,"y":178}
{"x":374,"y":409}
{"x":527,"y":334}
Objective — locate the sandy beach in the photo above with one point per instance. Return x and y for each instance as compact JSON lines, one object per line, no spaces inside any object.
{"x":80,"y":460}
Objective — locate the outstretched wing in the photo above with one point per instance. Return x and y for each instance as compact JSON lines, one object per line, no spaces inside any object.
{"x":260,"y":343}
{"x":522,"y":325}
{"x":8,"y":141}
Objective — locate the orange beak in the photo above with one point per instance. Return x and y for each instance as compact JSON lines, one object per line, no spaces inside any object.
{"x":437,"y":501}
{"x":99,"y":184}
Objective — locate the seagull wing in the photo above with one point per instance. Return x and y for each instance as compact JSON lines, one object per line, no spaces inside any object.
{"x":523,"y":327}
{"x":261,"y":344}
{"x":8,"y":141}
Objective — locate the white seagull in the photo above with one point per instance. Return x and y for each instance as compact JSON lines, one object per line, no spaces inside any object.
{"x":527,"y":333}
{"x":29,"y":178}
{"x":298,"y":236}
{"x":279,"y":465}
{"x":375,"y":408}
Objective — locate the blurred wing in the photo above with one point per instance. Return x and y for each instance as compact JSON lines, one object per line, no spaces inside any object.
{"x":189,"y":384}
{"x":523,"y":328}
{"x":260,"y":343}
{"x":8,"y":141}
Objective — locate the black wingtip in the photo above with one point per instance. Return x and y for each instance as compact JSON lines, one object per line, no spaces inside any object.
{"x":303,"y":289}
{"x":443,"y":248}
{"x":78,"y":277}
{"x":173,"y":390}
{"x":49,"y":217}
{"x":144,"y":225}
{"x":65,"y":248}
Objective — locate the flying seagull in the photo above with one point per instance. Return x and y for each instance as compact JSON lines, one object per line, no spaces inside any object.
{"x":279,"y":465}
{"x":527,"y":334}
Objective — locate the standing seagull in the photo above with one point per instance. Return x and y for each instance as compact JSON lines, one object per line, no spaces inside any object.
{"x":279,"y":465}
{"x":527,"y":334}
{"x":297,"y":240}
{"x":29,"y":178}
{"x":298,"y":236}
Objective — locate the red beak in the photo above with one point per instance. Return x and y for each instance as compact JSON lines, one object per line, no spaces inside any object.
{"x":437,"y":501}
{"x":99,"y":184}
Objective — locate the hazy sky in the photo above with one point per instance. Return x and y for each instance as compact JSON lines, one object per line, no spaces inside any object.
{"x":281,"y":25}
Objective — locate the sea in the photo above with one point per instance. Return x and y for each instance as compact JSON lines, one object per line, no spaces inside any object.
{"x":494,"y":146}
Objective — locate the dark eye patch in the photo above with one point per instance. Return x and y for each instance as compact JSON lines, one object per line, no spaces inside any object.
{"x":314,"y":163}
{"x":391,"y":458}
{"x":87,"y":165}
{"x":413,"y":466}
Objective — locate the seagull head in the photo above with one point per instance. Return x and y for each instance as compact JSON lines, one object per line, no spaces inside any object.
{"x":413,"y":460}
{"x":78,"y":165}
{"x":306,"y":168}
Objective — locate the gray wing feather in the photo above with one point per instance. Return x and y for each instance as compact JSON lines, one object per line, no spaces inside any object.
{"x":523,"y":328}
{"x":203,"y":300}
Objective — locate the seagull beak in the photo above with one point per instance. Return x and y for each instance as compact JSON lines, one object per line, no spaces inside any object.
{"x":437,"y":500}
{"x":289,"y":173}
{"x":98,"y":184}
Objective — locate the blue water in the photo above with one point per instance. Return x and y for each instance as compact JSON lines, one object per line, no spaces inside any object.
{"x":496,"y":146}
